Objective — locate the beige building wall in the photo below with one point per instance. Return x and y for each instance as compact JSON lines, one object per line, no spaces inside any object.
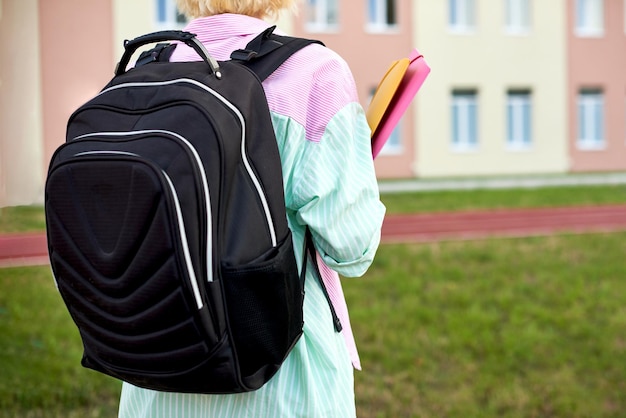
{"x":285,"y":22}
{"x":130,"y":19}
{"x":21,"y":134}
{"x":492,"y":62}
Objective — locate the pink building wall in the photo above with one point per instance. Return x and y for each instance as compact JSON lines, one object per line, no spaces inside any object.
{"x":369,"y":54}
{"x":599,"y":63}
{"x":76,"y":38}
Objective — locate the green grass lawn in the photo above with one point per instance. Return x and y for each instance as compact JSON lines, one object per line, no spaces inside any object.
{"x":22,"y":219}
{"x":40,"y":352}
{"x":496,"y":328}
{"x":531,"y":328}
{"x":446,"y":200}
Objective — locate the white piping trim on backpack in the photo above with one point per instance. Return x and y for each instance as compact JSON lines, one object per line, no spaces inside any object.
{"x":114,"y":152}
{"x":181,"y":226}
{"x":205,"y":185}
{"x":244,"y":157}
{"x":179,"y":217}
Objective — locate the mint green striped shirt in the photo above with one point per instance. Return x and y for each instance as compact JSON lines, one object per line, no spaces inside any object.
{"x":330,"y":185}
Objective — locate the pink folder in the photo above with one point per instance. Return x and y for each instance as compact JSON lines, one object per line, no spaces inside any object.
{"x":393,"y":96}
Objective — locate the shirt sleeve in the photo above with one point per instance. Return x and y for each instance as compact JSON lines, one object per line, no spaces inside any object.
{"x":335,"y":188}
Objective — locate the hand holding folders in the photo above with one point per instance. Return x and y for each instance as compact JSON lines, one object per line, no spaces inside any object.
{"x":394,"y":93}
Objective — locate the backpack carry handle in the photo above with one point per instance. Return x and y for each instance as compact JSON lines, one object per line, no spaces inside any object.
{"x":168,"y":35}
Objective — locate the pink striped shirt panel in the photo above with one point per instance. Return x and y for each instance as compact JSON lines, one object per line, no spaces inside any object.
{"x":310,"y":87}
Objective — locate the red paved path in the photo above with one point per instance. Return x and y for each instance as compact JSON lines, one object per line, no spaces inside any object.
{"x":30,"y":249}
{"x":23,"y":249}
{"x":503,"y":223}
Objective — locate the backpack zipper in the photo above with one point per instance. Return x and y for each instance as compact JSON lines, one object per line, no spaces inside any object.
{"x":244,"y":157}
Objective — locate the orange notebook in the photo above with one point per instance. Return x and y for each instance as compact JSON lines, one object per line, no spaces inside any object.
{"x":394,"y":94}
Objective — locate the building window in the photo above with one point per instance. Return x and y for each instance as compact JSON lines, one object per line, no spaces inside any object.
{"x":322,"y":15}
{"x":517,"y":16}
{"x":168,"y":16}
{"x":589,"y":17}
{"x":464,"y":120}
{"x":393,"y":145}
{"x":590,"y":119}
{"x":381,"y":15}
{"x":519,"y":122}
{"x":461,"y":15}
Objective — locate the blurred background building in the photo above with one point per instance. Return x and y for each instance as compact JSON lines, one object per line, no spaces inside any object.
{"x":518,"y":87}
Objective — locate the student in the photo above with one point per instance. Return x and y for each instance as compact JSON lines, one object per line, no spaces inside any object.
{"x":330,"y":185}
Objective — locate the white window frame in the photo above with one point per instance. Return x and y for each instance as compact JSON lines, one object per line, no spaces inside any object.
{"x":519,"y":124}
{"x":166,"y":15}
{"x":517,"y":17}
{"x":464,"y":121}
{"x":381,"y":21}
{"x":462,"y":16}
{"x":591,"y":114}
{"x":321,"y":11}
{"x":589,"y":18}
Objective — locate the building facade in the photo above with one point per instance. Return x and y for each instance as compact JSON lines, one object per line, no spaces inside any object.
{"x":369,"y":37}
{"x":596,"y":77}
{"x":517,"y":86}
{"x":497,"y":86}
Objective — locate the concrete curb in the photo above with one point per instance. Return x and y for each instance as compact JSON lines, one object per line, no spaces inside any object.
{"x":420,"y":185}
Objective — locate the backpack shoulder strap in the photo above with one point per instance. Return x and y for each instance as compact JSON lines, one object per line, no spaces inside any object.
{"x":265,"y":53}
{"x":161,"y":52}
{"x":309,"y":252}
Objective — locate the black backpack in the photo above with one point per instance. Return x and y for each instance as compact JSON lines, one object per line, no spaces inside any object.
{"x":166,"y":222}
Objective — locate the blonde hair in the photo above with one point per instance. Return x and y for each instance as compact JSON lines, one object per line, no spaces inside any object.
{"x":255,"y":8}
